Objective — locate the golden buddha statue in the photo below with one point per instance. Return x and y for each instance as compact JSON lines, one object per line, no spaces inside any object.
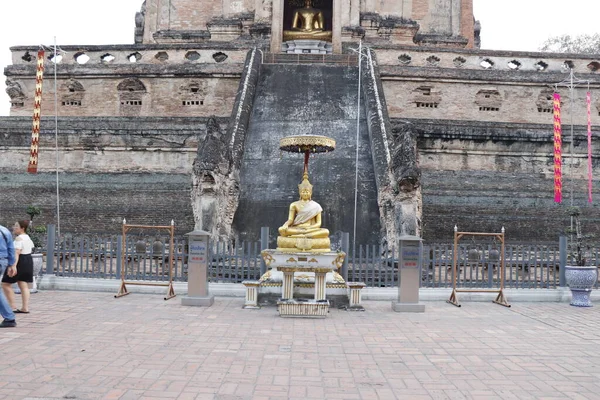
{"x":302,"y":230}
{"x":308,"y":24}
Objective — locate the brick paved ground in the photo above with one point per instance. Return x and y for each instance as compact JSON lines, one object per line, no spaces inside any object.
{"x":78,"y":345}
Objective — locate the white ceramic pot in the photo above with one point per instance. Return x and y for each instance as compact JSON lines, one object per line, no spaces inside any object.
{"x":581,"y":281}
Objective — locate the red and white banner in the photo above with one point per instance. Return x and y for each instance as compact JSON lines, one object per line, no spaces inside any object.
{"x":557,"y":150}
{"x":589,"y":140}
{"x":37,"y":109}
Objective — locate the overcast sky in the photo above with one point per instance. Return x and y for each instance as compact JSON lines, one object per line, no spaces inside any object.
{"x":506,"y":24}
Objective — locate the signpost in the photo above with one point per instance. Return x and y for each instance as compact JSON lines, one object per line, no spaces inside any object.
{"x":409,"y":270}
{"x":198,"y":294}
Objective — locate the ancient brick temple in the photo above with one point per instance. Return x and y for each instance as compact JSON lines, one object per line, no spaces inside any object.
{"x":184,"y":124}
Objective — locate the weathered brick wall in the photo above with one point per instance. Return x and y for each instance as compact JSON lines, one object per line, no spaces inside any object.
{"x":198,"y":85}
{"x":482,"y":176}
{"x":454,"y":85}
{"x":468,"y":156}
{"x":97,"y":203}
{"x":478,"y":175}
{"x":420,"y":9}
{"x":110,"y":169}
{"x":467,"y":22}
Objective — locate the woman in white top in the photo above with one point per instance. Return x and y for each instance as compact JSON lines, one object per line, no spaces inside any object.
{"x":22,"y":270}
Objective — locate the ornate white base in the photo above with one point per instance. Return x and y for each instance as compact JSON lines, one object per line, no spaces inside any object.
{"x":294,"y":276}
{"x":292,"y":263}
{"x":303,"y":309}
{"x":306,"y":47}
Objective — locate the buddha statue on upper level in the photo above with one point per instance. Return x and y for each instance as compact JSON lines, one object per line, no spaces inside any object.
{"x":308,"y":24}
{"x":303,"y":231}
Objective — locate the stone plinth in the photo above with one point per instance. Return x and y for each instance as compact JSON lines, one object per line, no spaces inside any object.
{"x":355,"y":297}
{"x":251,"y":294}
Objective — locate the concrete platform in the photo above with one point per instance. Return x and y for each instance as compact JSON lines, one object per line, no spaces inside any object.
{"x":408,"y":307}
{"x":196,"y":301}
{"x":87,"y":345}
{"x":51,"y":282}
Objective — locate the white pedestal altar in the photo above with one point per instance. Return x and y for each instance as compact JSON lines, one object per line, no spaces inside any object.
{"x":304,"y":46}
{"x":317,"y":265}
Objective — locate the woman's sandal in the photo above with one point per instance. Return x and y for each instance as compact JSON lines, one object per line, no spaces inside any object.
{"x":21,"y":312}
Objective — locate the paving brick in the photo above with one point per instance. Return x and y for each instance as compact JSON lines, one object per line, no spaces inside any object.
{"x":140,"y":346}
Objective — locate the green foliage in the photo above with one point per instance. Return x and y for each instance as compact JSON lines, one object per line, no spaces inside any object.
{"x":36,"y":233}
{"x":579,"y":246}
{"x":33,"y":211}
{"x":581,"y":44}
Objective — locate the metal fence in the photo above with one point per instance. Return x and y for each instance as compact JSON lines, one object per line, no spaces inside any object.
{"x":478,"y":266}
{"x":337,"y":59}
{"x":148,"y":258}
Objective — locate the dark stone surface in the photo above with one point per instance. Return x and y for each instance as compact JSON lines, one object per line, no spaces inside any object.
{"x":378,"y":123}
{"x":479,"y":200}
{"x":97,"y":133}
{"x":92,"y":201}
{"x":484,"y":201}
{"x":217,"y":165}
{"x":97,"y":203}
{"x":242,"y":109}
{"x":297,"y":100}
{"x":212,"y":151}
{"x":509,"y":191}
{"x":398,"y":197}
{"x":404,"y":165}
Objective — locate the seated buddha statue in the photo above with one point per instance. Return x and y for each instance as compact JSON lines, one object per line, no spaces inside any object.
{"x":302,"y":230}
{"x":308,"y":24}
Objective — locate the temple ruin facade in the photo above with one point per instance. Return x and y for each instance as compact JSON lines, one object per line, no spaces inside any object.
{"x":183,"y":123}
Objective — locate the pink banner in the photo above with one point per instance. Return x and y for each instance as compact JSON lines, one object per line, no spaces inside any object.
{"x":557,"y":150}
{"x":37,"y":110}
{"x":589,"y":138}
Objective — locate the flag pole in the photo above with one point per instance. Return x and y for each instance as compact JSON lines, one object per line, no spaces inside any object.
{"x":357,"y":148}
{"x":56,"y":140}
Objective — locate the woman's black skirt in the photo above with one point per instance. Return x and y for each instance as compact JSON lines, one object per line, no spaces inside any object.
{"x":24,"y":270}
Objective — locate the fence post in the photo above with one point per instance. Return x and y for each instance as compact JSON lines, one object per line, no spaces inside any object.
{"x":264,"y":244}
{"x":562,"y":246}
{"x":345,"y":249}
{"x":50,"y":245}
{"x":119,"y":255}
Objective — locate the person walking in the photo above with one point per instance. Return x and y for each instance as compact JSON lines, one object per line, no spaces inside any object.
{"x":7,"y":257}
{"x":23,"y":273}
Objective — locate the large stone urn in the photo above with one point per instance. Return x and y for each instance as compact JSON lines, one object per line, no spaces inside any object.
{"x":581,"y":281}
